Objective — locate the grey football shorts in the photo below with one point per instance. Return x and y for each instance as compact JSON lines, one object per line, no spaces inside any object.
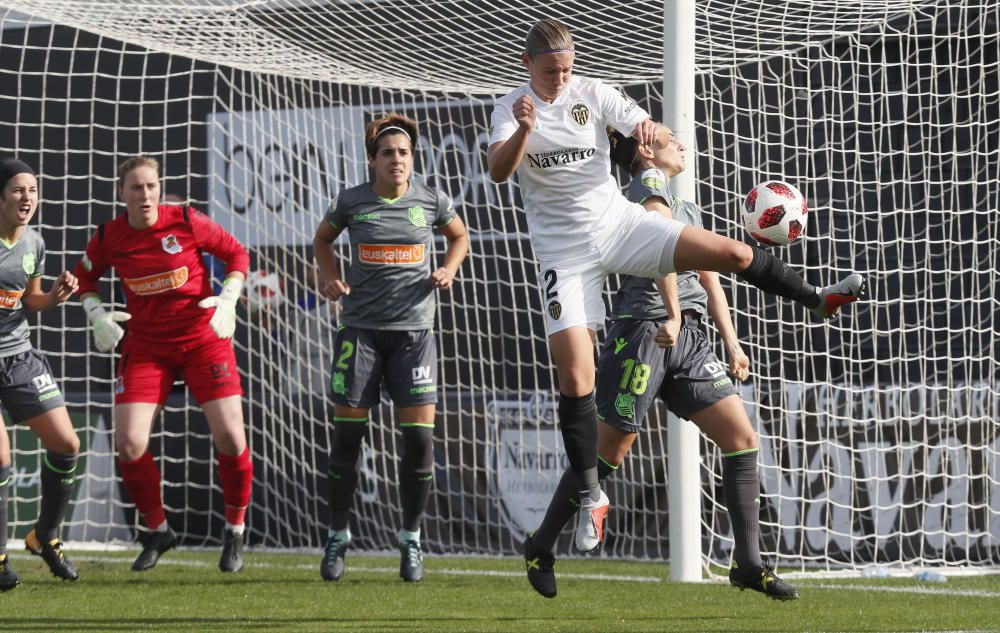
{"x":632,"y":370}
{"x":27,"y":388}
{"x":405,"y":359}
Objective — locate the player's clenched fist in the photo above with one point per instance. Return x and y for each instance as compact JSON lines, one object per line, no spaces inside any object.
{"x":442,"y":278}
{"x":335,"y":289}
{"x":64,"y":287}
{"x":524,"y":112}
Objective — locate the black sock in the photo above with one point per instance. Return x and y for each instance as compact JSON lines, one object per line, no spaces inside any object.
{"x":741,"y":488}
{"x":5,"y":483}
{"x":57,"y":487}
{"x":578,"y":424}
{"x":345,"y":446}
{"x":565,"y":502}
{"x":416,"y":474}
{"x":774,"y":276}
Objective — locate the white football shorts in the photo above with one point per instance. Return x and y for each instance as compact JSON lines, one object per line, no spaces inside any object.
{"x":573,"y":287}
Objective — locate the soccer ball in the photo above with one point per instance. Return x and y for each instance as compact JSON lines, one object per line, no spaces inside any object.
{"x":774,"y":213}
{"x":263,"y":291}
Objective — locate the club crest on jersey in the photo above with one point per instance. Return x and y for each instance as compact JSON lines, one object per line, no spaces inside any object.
{"x":28,"y":263}
{"x":555,"y":310}
{"x":171,"y":245}
{"x":417,"y":217}
{"x":580,"y":113}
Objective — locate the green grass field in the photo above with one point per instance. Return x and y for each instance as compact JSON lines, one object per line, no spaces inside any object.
{"x":283,"y":592}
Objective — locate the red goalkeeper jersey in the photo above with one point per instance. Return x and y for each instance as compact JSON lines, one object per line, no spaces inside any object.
{"x":162,"y":272}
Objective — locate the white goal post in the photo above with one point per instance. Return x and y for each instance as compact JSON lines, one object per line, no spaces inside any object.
{"x":879,"y":433}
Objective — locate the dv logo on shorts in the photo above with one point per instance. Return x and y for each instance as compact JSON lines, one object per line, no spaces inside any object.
{"x":417,"y":217}
{"x":171,"y":245}
{"x":580,"y":113}
{"x":555,"y":310}
{"x":421,"y":375}
{"x":28,"y":263}
{"x":219,"y":370}
{"x":45,"y":386}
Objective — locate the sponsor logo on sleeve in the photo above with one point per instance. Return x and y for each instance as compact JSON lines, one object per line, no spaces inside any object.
{"x":87,"y":265}
{"x":391,"y":254}
{"x":160,"y":282}
{"x":171,"y":245}
{"x":9,"y":298}
{"x":28,"y":263}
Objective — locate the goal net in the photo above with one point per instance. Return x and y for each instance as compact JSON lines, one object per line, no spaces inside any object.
{"x":879,"y":439}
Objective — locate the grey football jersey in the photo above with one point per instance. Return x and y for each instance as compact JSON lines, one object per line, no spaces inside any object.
{"x":391,"y":243}
{"x":638,"y":298}
{"x":19,"y":262}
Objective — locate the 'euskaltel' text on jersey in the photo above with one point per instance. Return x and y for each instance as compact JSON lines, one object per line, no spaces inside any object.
{"x":570,"y":196}
{"x":391,"y":244}
{"x":637,"y":297}
{"x":19,"y":262}
{"x":162,"y":272}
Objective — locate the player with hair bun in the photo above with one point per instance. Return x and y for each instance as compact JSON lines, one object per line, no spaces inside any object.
{"x":388,"y":306}
{"x":27,"y":389}
{"x":176,"y":326}
{"x":552,"y":132}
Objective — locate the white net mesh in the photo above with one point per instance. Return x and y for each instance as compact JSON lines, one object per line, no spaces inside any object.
{"x":879,"y":436}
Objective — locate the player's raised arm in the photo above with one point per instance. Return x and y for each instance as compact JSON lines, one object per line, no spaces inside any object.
{"x":503,"y":156}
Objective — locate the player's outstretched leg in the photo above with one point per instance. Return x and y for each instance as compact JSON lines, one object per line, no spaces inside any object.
{"x":761,"y":579}
{"x":232,"y":551}
{"x":52,"y":553}
{"x":411,"y":559}
{"x":332,"y":565}
{"x":539,"y":563}
{"x":847,"y":290}
{"x":698,"y":249}
{"x":155,"y":545}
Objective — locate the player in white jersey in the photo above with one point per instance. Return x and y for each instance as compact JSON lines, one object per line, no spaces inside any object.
{"x":27,"y":390}
{"x":552,"y":131}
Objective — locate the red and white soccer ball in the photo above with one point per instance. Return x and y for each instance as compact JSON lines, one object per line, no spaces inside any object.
{"x":263,"y":291}
{"x":774,"y":213}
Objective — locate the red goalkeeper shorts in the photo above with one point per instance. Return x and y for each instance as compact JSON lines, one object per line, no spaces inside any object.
{"x":147,"y":374}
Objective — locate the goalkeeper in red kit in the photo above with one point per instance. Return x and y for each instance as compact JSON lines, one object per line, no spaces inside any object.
{"x":175,"y":327}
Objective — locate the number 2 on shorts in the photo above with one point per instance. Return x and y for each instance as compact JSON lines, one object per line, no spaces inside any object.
{"x":348,"y":349}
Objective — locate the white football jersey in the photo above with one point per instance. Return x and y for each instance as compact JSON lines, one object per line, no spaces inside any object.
{"x":570,"y":197}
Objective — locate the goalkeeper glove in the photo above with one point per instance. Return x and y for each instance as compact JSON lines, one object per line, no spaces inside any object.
{"x":104,"y":323}
{"x":223,"y":322}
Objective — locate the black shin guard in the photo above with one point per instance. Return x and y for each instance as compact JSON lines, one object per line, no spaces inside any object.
{"x":345,"y":447}
{"x":564,"y":504}
{"x":5,"y":484}
{"x":774,"y":276}
{"x":416,"y":474}
{"x":578,"y":424}
{"x":741,"y":487}
{"x":57,"y":487}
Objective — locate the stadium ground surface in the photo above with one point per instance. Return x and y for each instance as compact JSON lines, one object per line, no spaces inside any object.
{"x":283,"y":592}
